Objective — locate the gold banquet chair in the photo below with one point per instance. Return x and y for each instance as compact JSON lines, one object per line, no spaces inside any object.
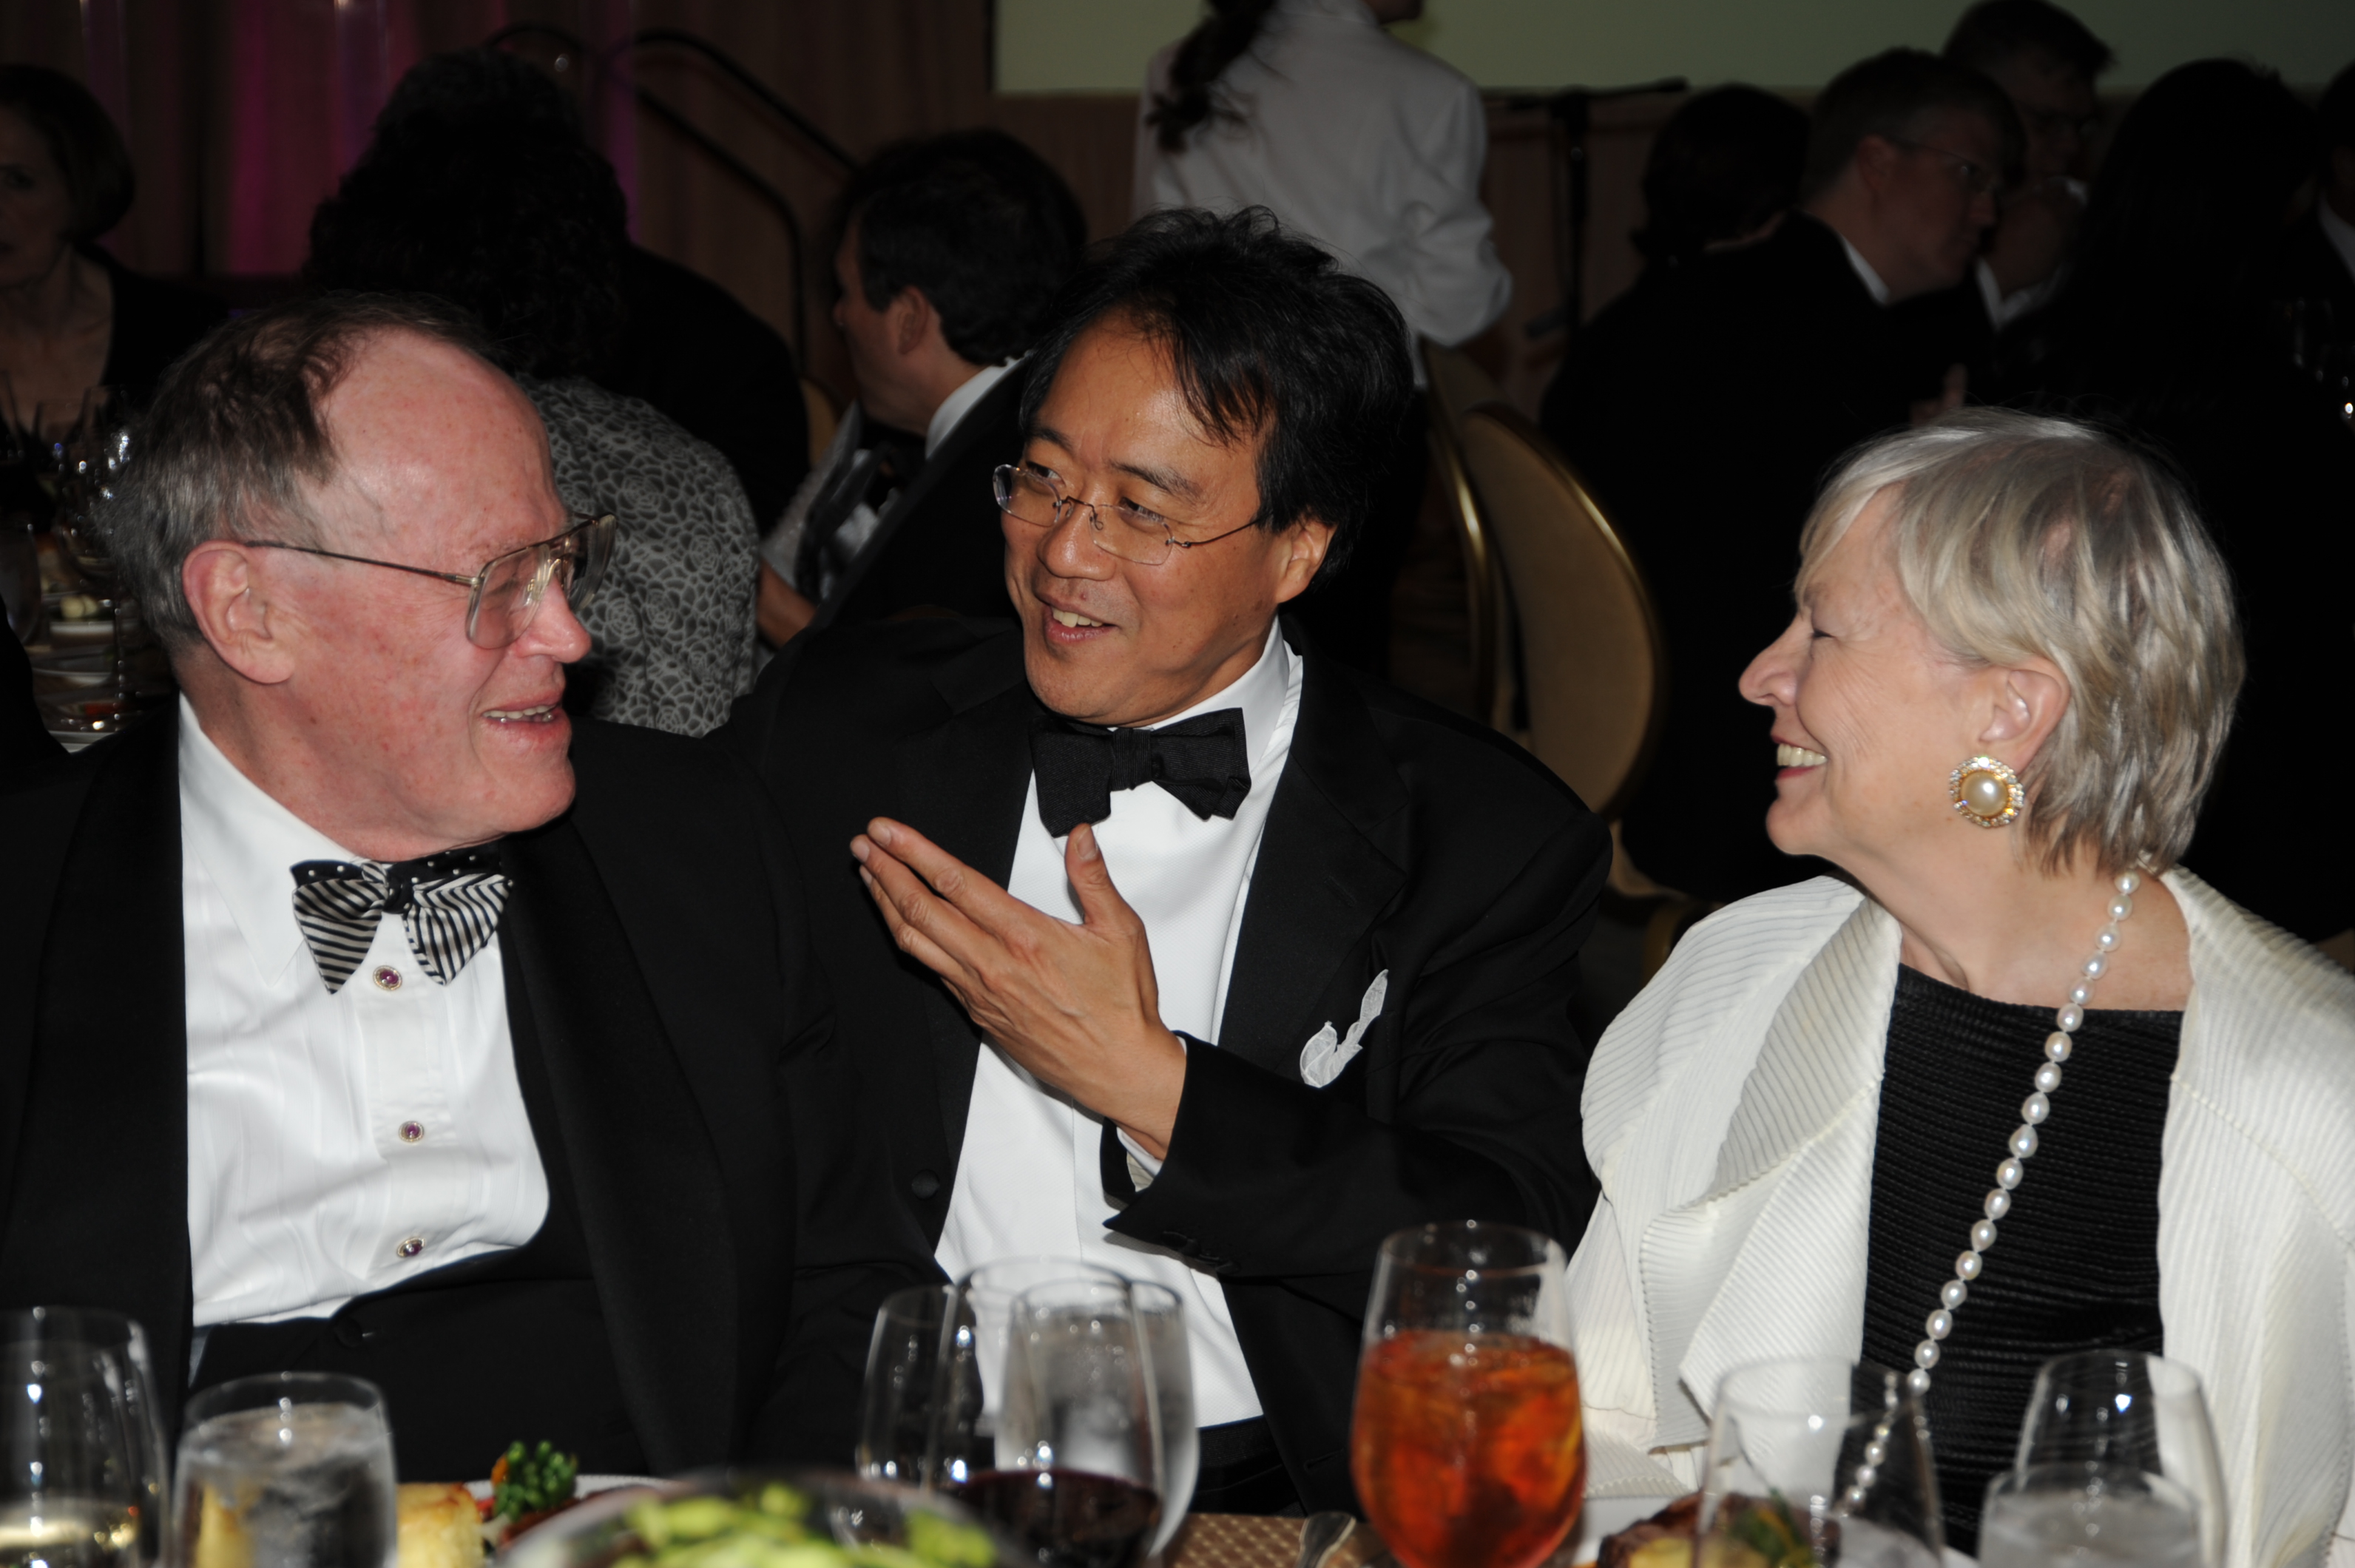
{"x":1457,"y":386}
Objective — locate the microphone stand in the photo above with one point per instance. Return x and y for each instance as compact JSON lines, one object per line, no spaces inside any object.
{"x":1571,"y":111}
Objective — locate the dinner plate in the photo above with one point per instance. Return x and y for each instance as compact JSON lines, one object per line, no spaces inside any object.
{"x":582,"y":1485}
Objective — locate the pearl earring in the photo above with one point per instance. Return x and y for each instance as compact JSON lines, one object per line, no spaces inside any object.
{"x":1987,"y":794}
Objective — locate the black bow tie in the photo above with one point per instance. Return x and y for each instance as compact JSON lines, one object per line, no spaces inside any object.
{"x":1200,"y":761}
{"x":449,"y":903}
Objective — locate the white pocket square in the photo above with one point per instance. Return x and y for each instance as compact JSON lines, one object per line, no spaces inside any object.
{"x":1322,"y":1059}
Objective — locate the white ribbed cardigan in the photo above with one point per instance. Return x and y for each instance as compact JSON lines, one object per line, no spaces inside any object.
{"x":1730,"y":1112}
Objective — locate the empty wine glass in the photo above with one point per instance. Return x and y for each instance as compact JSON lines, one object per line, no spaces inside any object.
{"x":904,"y":1359}
{"x":1466,"y":1444}
{"x":2088,"y":1516}
{"x":2135,"y":1412}
{"x":1813,"y":1462}
{"x":288,"y":1470}
{"x":1079,"y":1444}
{"x":81,"y":1453}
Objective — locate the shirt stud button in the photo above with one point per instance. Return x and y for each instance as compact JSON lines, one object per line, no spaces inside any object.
{"x":410,"y":1247}
{"x":412,"y":1132}
{"x":388,"y":979}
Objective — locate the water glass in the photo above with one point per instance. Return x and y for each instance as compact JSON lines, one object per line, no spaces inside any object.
{"x":2133,"y":1410}
{"x":904,"y":1359}
{"x":2088,"y":1516}
{"x":288,"y":1470}
{"x":1466,"y":1444}
{"x":1813,"y":1462}
{"x":81,"y":1454}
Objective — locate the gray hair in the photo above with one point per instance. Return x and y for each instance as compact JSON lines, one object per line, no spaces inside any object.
{"x":2018,"y":538}
{"x":234,"y":443}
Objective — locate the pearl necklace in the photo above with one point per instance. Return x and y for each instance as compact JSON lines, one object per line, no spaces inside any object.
{"x":2022,"y":1143}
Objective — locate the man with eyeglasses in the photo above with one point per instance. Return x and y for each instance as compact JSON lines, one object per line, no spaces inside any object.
{"x":365,"y":1014}
{"x":1169,"y":942}
{"x":1704,"y":436}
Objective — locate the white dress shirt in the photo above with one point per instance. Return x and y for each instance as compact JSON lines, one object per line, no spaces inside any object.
{"x":1362,"y":142}
{"x":338,"y":1144}
{"x":1865,"y":273}
{"x":1028,"y":1182}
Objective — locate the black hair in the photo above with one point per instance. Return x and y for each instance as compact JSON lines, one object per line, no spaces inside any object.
{"x":1992,"y":34}
{"x":1269,"y":337}
{"x":2334,"y":117}
{"x":83,"y":142}
{"x":1224,"y":36}
{"x":2170,"y":285}
{"x":1726,"y":162}
{"x":234,"y":439}
{"x":977,"y":221}
{"x":1889,"y":96}
{"x":479,"y":188}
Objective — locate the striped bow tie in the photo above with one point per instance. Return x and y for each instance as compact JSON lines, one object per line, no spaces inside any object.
{"x":449,"y":902}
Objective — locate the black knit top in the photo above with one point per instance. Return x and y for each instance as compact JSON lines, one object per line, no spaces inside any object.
{"x":2075,"y":1263}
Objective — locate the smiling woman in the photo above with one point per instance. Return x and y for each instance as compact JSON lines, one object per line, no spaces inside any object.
{"x":1996,"y":710}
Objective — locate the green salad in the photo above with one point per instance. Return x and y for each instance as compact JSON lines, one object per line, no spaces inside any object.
{"x":773,"y":1529}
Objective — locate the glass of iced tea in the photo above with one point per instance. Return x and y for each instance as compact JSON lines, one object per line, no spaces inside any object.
{"x":1466,"y":1448}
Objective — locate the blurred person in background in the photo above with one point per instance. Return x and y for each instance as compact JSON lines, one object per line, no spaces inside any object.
{"x":2167,"y":326}
{"x":1373,"y":149}
{"x":2316,"y":285}
{"x":1722,"y":173}
{"x":71,"y":316}
{"x":1704,"y":435}
{"x":951,"y":252}
{"x":510,"y":215}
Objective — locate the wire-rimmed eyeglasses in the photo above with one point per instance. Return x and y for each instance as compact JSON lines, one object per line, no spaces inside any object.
{"x":1973,"y":175}
{"x":1131,"y":533}
{"x":505,"y":596}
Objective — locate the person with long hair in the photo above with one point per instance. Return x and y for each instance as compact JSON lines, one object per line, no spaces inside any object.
{"x":2166,"y":327}
{"x":1369,"y":147}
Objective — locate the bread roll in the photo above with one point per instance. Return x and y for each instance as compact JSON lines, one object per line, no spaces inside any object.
{"x":440,"y":1527}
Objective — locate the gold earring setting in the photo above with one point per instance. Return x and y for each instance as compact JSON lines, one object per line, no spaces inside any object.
{"x":1987,"y":794}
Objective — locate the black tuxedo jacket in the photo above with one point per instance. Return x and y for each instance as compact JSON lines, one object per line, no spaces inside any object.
{"x":939,"y":548}
{"x":673,"y":1004}
{"x":1400,"y":839}
{"x":1704,"y":415}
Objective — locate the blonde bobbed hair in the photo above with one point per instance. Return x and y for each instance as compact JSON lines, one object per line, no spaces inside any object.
{"x":2018,"y":538}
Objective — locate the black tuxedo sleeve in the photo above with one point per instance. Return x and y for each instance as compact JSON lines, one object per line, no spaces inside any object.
{"x":1467,"y":1109}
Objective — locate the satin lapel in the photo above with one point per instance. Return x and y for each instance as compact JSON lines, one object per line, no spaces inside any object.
{"x":1770,"y":1261}
{"x":1332,"y":857}
{"x":963,"y":784}
{"x":652,"y":1201}
{"x":96,"y":1045}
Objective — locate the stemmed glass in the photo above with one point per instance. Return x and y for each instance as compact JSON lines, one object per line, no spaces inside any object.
{"x":1079,"y":1432}
{"x":90,"y":459}
{"x":1466,"y":1446}
{"x":81,"y":1450}
{"x":288,"y":1470}
{"x":1815,"y":1462}
{"x":2126,"y":1433}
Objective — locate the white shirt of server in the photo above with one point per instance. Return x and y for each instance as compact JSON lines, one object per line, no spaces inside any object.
{"x":1364,"y":144}
{"x":338,"y":1144}
{"x":1028,"y":1182}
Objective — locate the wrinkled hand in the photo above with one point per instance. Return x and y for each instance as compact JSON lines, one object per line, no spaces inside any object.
{"x":1076,"y":1005}
{"x":2034,"y":236}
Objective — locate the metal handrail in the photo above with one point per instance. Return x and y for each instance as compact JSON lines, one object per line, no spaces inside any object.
{"x":671,"y":116}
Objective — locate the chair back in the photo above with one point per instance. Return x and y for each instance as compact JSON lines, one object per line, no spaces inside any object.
{"x":1592,"y":656}
{"x":1456,"y":386}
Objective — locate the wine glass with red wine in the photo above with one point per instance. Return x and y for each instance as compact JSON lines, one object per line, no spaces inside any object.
{"x":1078,"y":1449}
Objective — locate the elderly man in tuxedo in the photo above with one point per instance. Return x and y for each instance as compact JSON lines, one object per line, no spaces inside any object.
{"x":1180,"y":945}
{"x":366,"y":1015}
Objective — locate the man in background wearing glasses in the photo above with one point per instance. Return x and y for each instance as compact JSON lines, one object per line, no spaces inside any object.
{"x":1704,"y":428}
{"x":365,"y":1014}
{"x":1165,"y":939}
